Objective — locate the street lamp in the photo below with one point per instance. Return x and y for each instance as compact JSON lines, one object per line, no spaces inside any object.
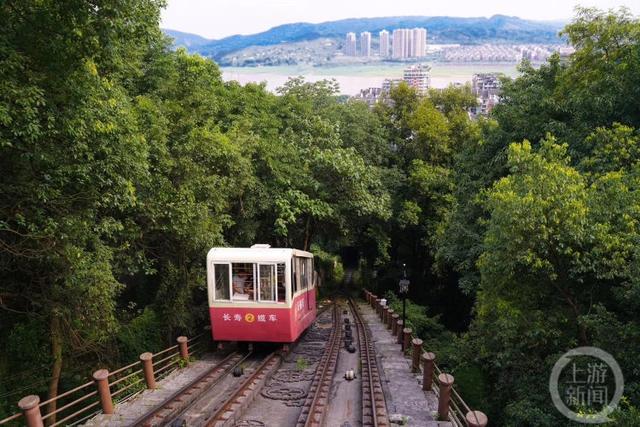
{"x":404,"y":289}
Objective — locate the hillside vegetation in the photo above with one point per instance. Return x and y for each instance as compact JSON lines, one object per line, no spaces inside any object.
{"x":123,"y":161}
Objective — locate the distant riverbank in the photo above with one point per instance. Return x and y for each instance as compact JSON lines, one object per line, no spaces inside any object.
{"x":352,"y":78}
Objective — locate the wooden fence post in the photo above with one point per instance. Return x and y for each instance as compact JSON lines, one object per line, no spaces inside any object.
{"x":476,"y":419}
{"x":428,"y":362}
{"x":415,"y":356}
{"x":147,"y":367}
{"x":30,"y":406}
{"x":184,"y":348}
{"x":446,"y":382}
{"x":101,"y":378}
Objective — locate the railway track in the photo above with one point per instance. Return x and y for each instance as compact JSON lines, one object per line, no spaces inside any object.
{"x":224,"y":408}
{"x":176,"y":404}
{"x":313,"y":409}
{"x":232,"y":407}
{"x":374,"y":407}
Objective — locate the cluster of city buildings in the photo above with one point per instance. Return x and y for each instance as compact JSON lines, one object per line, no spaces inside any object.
{"x":403,"y":43}
{"x":416,"y":76}
{"x":499,"y":53}
{"x":485,"y":86}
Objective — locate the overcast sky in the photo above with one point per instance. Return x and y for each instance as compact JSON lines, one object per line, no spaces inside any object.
{"x":221,"y":18}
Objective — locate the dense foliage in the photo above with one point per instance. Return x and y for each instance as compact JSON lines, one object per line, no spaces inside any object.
{"x":123,"y":161}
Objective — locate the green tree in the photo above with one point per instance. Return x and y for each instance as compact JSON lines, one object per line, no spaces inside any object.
{"x":558,"y":262}
{"x":71,"y":156}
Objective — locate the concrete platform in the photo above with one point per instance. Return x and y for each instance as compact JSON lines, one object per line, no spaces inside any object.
{"x":406,"y":401}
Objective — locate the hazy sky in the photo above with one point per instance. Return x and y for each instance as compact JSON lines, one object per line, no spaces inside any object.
{"x":221,"y":18}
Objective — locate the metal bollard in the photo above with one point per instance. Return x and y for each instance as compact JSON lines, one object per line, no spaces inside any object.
{"x":390,"y":319}
{"x":406,"y":340}
{"x":147,"y":368}
{"x":428,"y":362}
{"x":394,"y":323}
{"x":415,"y":356}
{"x":101,"y":377}
{"x":446,"y":382}
{"x":30,"y":406}
{"x":399,"y":334}
{"x":184,"y":348}
{"x":476,"y":419}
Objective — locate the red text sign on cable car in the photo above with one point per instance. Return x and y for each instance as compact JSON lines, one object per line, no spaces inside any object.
{"x":260,"y":293}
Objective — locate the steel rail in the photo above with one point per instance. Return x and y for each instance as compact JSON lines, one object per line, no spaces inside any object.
{"x":124,"y":368}
{"x":11,"y":418}
{"x":70,"y":404}
{"x":371,"y":385}
{"x":221,"y":370}
{"x":312,"y":413}
{"x":230,"y":403}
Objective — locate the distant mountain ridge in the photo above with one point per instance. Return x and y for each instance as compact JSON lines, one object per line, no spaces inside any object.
{"x":187,"y":40}
{"x":441,"y":29}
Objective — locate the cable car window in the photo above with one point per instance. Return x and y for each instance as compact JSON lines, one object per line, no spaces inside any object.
{"x":242,"y":282}
{"x":304,"y":273}
{"x":294,"y":275}
{"x":309,"y":270}
{"x":267,"y":274}
{"x":221,"y":277}
{"x":282,"y":291}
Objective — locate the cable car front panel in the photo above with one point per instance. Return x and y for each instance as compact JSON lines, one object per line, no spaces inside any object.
{"x":260,"y":294}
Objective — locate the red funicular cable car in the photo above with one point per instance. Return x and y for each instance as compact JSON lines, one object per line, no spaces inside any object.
{"x":260,"y":294}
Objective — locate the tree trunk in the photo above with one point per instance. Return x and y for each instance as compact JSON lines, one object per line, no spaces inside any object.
{"x":56,"y":370}
{"x":307,"y":234}
{"x":573,"y":304}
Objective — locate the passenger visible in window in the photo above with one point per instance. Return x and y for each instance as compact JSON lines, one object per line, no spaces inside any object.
{"x":242,"y":284}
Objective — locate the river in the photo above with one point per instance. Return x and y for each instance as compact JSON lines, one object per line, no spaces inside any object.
{"x":352,"y":78}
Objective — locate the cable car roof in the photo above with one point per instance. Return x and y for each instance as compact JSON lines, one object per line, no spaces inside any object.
{"x":256,"y":253}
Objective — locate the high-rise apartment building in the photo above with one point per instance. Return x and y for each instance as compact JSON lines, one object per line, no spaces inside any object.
{"x":384,"y":43}
{"x":400,"y":46}
{"x":418,"y":47}
{"x":409,"y":43}
{"x":350,"y":44}
{"x":365,"y":44}
{"x":417,"y":76}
